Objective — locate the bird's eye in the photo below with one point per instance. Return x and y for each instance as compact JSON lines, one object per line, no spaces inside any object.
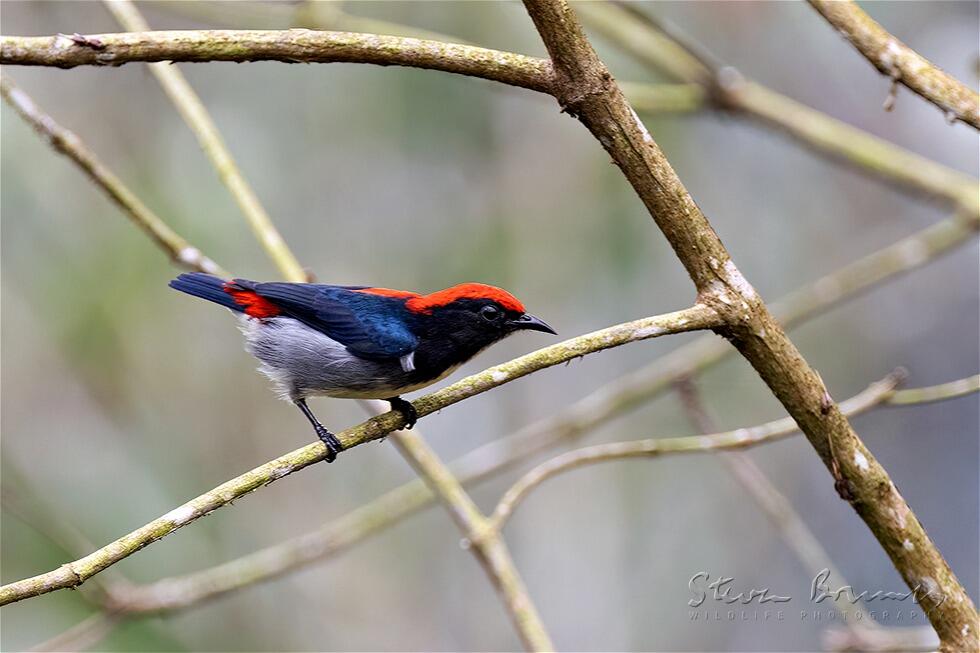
{"x":490,"y":313}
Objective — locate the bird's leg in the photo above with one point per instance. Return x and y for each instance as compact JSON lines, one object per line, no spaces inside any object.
{"x":326,"y":437}
{"x":406,"y":409}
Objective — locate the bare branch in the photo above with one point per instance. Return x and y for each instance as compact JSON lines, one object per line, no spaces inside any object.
{"x":584,"y":88}
{"x":640,"y":35}
{"x":75,"y":573}
{"x":876,"y":394}
{"x":901,"y":63}
{"x":490,"y":551}
{"x":289,"y":46}
{"x":197,"y":118}
{"x":180,"y":251}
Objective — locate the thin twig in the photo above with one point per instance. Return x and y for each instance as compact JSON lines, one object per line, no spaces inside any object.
{"x":901,"y":63}
{"x":879,"y":393}
{"x":75,"y":573}
{"x":199,"y":120}
{"x":950,"y":390}
{"x":62,"y":140}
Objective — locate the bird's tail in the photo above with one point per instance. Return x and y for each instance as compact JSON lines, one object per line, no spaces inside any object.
{"x":207,"y":287}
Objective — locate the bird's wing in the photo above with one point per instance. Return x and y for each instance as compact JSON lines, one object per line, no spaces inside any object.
{"x":367,"y":324}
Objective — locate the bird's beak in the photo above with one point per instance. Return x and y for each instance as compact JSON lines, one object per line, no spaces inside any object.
{"x":530,"y":323}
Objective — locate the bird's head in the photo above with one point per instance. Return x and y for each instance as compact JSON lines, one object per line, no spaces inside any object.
{"x":473,"y":315}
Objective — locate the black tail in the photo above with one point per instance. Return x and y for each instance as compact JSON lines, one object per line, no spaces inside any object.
{"x":206,"y":287}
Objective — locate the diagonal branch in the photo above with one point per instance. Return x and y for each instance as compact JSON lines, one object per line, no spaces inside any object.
{"x":197,"y":118}
{"x":586,"y":89}
{"x":72,"y":574}
{"x":901,"y":63}
{"x":490,"y":550}
{"x":179,"y":250}
{"x":289,"y":46}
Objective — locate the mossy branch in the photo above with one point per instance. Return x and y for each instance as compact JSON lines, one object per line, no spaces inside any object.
{"x":72,"y":574}
{"x":289,"y":46}
{"x":901,"y":63}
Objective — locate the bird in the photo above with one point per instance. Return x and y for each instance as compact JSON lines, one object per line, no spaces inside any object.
{"x":361,"y":342}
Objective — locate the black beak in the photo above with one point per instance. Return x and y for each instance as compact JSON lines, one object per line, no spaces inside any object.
{"x":528,"y":322}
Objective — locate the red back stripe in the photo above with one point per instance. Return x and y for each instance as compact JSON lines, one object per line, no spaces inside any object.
{"x":253,"y":304}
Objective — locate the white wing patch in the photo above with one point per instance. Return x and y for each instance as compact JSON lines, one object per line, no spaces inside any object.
{"x":408,"y":362}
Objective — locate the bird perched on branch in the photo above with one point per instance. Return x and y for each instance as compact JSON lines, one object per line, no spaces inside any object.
{"x":358,"y":342}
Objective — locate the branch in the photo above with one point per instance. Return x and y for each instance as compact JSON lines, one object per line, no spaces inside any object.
{"x":83,"y":635}
{"x":581,"y":417}
{"x":950,"y":390}
{"x":881,"y":392}
{"x":584,"y":88}
{"x":490,"y":551}
{"x":179,"y":250}
{"x":658,"y":48}
{"x":72,"y":574}
{"x":197,"y":118}
{"x":289,"y":46}
{"x":901,"y":63}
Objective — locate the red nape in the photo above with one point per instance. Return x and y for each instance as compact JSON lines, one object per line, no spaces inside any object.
{"x":426,"y":303}
{"x":388,"y":292}
{"x":251,"y":302}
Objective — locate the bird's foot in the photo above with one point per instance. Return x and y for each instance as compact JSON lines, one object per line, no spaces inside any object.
{"x":330,"y":441}
{"x":406,"y":409}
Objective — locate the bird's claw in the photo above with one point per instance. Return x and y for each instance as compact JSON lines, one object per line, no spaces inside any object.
{"x":406,"y":409}
{"x":331,"y":442}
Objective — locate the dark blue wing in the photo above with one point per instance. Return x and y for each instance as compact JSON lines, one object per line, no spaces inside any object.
{"x":368,"y":325}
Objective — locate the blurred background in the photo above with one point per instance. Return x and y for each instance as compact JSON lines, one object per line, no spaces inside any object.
{"x":122,"y":399}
